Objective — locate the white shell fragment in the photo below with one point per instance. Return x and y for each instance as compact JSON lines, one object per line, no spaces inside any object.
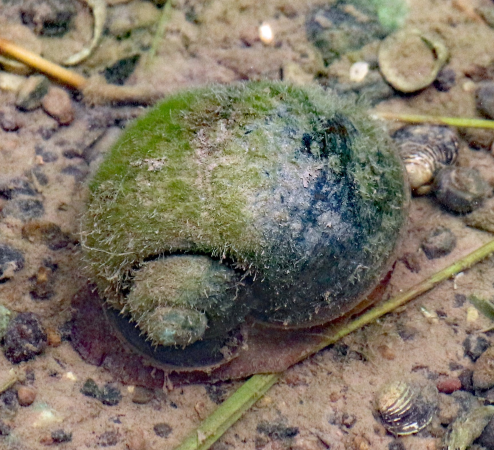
{"x":359,"y":71}
{"x":406,"y":409}
{"x":411,"y":59}
{"x":266,"y":34}
{"x":99,"y":13}
{"x":11,"y":82}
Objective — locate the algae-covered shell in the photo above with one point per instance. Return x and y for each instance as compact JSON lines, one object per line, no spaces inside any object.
{"x":424,"y":150}
{"x":282,"y":202}
{"x":406,"y":408}
{"x":460,"y":189}
{"x":410,"y":59}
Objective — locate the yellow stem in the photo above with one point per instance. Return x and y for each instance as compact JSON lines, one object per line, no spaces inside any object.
{"x":438,"y":120}
{"x":42,"y":65}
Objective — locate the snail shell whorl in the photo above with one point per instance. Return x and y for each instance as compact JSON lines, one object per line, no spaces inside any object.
{"x":424,"y":149}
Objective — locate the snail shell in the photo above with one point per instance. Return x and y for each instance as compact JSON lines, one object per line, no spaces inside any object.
{"x":410,"y":59}
{"x":460,"y":189}
{"x":405,"y":408}
{"x":280,"y":202}
{"x":424,"y":149}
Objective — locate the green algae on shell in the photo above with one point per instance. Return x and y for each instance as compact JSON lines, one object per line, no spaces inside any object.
{"x":293,"y":198}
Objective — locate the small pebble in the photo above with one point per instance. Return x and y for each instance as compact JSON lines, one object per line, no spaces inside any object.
{"x":142,"y":395}
{"x":406,"y":331}
{"x":448,"y":385}
{"x":40,"y":175}
{"x":466,"y":379}
{"x":277,"y":431}
{"x":478,"y":138}
{"x":122,"y":19}
{"x":484,"y":97}
{"x":136,"y":440}
{"x":460,"y":300}
{"x":24,"y":209}
{"x":78,"y":171}
{"x":474,"y":346}
{"x":54,"y":338}
{"x":396,"y":445}
{"x":482,"y":218}
{"x":26,"y":395}
{"x":386,"y":352}
{"x":108,"y":439}
{"x":440,"y":242}
{"x":448,"y":409}
{"x":217,"y":392}
{"x":119,"y":72}
{"x":489,"y":395}
{"x":31,"y":93}
{"x":486,"y":439}
{"x":11,"y":260}
{"x":110,"y":395}
{"x":57,"y":104}
{"x":48,"y":17}
{"x":8,"y":122}
{"x":60,"y":436}
{"x":43,"y":283}
{"x":162,"y":430}
{"x":48,"y":233}
{"x":483,"y":371}
{"x":445,"y":80}
{"x":47,"y":131}
{"x":411,"y":261}
{"x":460,"y":189}
{"x":4,"y":428}
{"x":25,"y":338}
{"x":361,"y":443}
{"x":16,"y":187}
{"x":91,"y":389}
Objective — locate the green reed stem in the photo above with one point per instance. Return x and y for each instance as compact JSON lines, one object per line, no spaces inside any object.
{"x":439,"y":120}
{"x":160,"y":31}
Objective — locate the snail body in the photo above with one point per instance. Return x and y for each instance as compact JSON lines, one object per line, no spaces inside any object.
{"x":262,"y":199}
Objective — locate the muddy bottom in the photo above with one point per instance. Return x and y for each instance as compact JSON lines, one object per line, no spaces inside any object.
{"x":103,"y":395}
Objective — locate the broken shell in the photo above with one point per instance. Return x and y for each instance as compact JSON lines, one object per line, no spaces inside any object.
{"x":424,"y":149}
{"x":405,"y":408}
{"x":411,"y":59}
{"x":460,"y":189}
{"x":99,"y":13}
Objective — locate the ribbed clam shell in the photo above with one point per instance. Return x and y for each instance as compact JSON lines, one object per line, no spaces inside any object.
{"x":404,"y":409}
{"x":424,"y":149}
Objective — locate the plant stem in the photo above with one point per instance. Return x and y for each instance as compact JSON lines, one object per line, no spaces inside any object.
{"x":255,"y":387}
{"x":439,"y":120}
{"x":229,"y":412}
{"x":42,"y":65}
{"x":160,"y":31}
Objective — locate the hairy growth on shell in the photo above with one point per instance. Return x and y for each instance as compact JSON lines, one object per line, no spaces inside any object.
{"x":293,"y":191}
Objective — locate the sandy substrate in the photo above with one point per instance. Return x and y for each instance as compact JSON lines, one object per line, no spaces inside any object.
{"x":328,"y":401}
